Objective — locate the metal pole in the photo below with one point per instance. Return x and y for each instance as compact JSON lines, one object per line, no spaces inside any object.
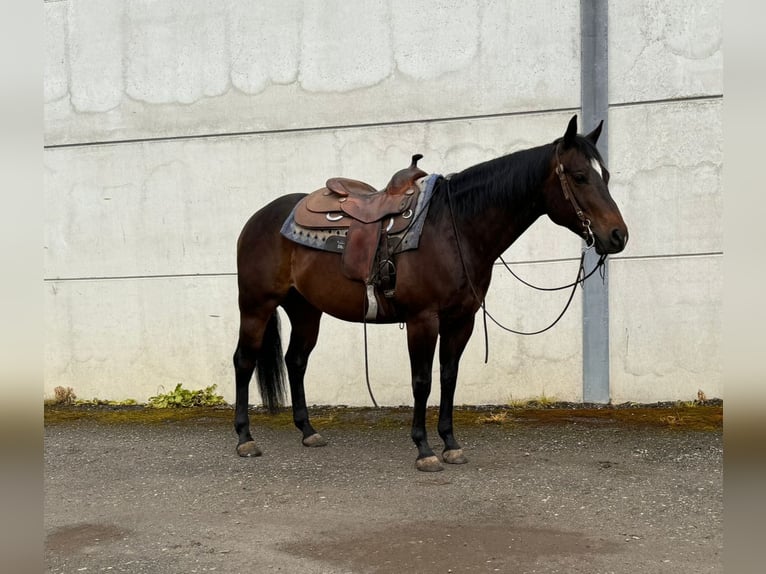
{"x":594,"y":79}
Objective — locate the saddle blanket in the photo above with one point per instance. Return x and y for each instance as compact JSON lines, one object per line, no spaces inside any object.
{"x":335,"y":239}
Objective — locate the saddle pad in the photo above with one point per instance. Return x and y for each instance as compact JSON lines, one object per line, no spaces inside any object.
{"x":335,"y":239}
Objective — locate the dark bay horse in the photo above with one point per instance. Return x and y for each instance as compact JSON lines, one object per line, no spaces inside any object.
{"x":473,"y":217}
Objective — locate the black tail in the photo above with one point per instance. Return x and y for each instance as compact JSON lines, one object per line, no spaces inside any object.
{"x":270,"y":367}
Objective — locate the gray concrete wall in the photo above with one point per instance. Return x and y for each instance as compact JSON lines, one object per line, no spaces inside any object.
{"x":666,"y":157}
{"x":167,"y":124}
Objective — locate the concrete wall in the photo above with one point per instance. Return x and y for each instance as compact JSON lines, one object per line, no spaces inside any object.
{"x":167,"y":124}
{"x":666,"y":156}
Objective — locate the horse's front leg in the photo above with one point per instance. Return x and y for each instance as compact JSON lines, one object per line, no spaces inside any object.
{"x":421,"y":343}
{"x":453,"y":339}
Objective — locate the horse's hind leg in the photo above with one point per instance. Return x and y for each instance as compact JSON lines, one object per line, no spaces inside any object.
{"x":304,"y":321}
{"x":258,"y":346}
{"x":244,"y":365}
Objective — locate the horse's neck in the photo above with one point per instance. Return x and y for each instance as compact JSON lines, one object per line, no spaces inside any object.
{"x":494,"y":207}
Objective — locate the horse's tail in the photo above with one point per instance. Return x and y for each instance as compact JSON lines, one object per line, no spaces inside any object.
{"x":270,"y":367}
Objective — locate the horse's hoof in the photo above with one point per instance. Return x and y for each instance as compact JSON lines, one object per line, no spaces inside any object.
{"x":454,"y":456}
{"x":248,"y":448}
{"x":315,"y":439}
{"x":428,"y":464}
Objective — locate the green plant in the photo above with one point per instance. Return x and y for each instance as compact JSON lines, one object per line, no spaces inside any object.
{"x":105,"y":402}
{"x":546,"y":401}
{"x":181,"y":397}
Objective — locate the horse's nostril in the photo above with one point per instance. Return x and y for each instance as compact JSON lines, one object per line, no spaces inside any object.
{"x":619,"y":238}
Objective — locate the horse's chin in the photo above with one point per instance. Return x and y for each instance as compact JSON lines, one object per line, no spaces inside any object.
{"x":608,"y":249}
{"x":611,"y":243}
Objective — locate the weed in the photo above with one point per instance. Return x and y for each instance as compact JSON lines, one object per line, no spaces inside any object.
{"x":493,"y":418}
{"x":103,"y":402}
{"x":541,"y":402}
{"x":672,"y":420}
{"x":698,"y":402}
{"x":181,"y":397}
{"x":64,"y":396}
{"x":546,"y":401}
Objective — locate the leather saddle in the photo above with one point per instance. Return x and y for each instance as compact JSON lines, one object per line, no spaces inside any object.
{"x":367,"y":214}
{"x":344,"y":200}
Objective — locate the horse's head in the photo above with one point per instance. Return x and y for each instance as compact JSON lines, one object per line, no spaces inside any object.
{"x":576,"y":192}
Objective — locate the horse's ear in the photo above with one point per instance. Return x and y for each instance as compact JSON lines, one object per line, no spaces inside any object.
{"x":569,"y":136}
{"x":593,"y":136}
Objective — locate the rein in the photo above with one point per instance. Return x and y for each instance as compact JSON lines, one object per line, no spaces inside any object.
{"x":599,"y":263}
{"x":578,"y":281}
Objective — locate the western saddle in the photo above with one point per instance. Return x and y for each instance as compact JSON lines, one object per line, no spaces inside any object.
{"x":368,"y":216}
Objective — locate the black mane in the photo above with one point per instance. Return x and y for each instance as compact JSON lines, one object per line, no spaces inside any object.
{"x":500,"y":182}
{"x":505,"y":181}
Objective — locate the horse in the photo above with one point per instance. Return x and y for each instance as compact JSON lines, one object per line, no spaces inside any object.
{"x":473,"y":217}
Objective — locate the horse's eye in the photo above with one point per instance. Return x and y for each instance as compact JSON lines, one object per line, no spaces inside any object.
{"x":579,"y":178}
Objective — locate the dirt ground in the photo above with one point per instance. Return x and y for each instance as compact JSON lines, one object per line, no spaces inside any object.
{"x":545,"y":491}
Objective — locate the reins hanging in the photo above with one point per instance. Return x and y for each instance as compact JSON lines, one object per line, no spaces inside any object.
{"x":581,"y":277}
{"x":600,"y":263}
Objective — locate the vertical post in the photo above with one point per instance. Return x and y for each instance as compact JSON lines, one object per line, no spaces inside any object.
{"x":594,"y":78}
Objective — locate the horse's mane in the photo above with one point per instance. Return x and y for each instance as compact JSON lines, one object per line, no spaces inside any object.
{"x":504,"y":181}
{"x":499,"y":182}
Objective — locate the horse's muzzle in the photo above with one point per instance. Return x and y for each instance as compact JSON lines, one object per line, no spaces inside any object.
{"x":613,"y":243}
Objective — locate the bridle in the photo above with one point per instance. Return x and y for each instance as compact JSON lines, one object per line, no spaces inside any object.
{"x":590,"y":240}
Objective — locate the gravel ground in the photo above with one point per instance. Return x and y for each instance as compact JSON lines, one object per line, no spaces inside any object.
{"x":590,"y":495}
